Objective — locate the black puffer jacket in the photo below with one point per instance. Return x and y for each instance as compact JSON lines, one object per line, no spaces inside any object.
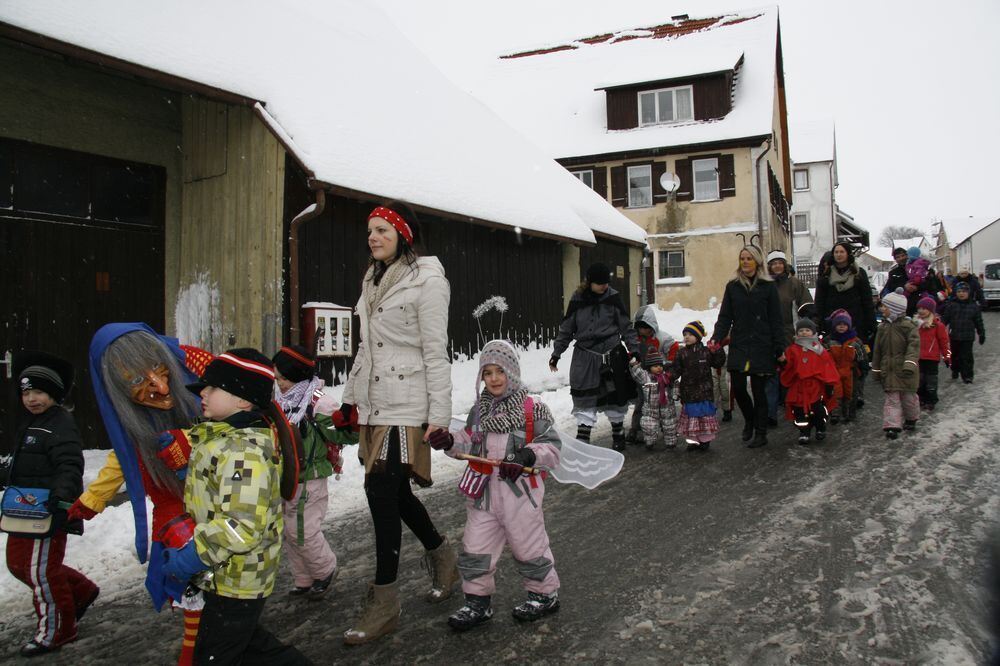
{"x":48,"y":454}
{"x":693,"y":365}
{"x":752,"y":319}
{"x":964,"y":319}
{"x":857,"y":301}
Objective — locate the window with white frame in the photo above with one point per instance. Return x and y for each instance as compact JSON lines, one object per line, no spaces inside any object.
{"x":800,"y":179}
{"x":640,"y":186}
{"x":586,"y":177}
{"x":670,"y":105}
{"x":706,"y":179}
{"x":800,"y":223}
{"x":671,"y":264}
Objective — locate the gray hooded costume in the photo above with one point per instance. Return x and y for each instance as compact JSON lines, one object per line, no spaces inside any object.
{"x":599,"y":372}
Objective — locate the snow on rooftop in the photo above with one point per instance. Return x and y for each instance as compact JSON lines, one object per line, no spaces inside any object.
{"x":959,"y":229}
{"x":811,"y":141}
{"x":363,"y":107}
{"x":551,"y":96}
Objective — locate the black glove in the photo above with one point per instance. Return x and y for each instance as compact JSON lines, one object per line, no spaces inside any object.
{"x":441,"y":440}
{"x":513,"y":465}
{"x":982,"y":339}
{"x":828,"y":390}
{"x":554,"y":363}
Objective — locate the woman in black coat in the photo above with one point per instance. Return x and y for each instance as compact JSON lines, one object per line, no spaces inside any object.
{"x":845,"y":285}
{"x":751,"y":316}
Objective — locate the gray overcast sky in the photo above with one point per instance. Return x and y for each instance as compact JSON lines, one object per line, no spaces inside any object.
{"x":911,"y":85}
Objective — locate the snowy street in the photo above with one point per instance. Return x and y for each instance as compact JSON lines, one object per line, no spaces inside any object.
{"x":851,"y":551}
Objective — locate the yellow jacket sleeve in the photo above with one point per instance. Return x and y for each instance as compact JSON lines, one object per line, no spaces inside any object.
{"x":109,"y":480}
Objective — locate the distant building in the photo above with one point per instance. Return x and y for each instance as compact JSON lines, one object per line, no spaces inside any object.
{"x":699,"y":99}
{"x":965,"y":242}
{"x":817,"y":221}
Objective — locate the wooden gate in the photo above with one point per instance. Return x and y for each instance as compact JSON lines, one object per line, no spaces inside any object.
{"x":81,"y":238}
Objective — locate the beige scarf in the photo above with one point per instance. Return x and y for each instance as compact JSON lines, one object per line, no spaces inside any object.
{"x":841,"y":281}
{"x":373,"y":293}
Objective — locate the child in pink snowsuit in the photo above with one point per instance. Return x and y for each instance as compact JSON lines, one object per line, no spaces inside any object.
{"x":504,"y":503}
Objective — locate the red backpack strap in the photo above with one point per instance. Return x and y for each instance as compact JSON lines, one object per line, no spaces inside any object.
{"x":529,"y":420}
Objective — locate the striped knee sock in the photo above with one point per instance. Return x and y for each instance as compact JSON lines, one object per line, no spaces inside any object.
{"x":616,"y":430}
{"x":192,"y":618}
{"x":583,"y":432}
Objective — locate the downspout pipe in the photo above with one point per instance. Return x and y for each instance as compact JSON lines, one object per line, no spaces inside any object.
{"x":760,"y":192}
{"x":310,"y":212}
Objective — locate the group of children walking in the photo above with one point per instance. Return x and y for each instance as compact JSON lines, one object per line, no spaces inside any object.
{"x":821,"y":375}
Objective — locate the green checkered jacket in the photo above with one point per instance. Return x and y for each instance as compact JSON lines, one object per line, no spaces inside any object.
{"x":233,"y":493}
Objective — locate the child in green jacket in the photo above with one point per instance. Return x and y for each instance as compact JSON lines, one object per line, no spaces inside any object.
{"x":300,"y":396}
{"x":233,"y":492}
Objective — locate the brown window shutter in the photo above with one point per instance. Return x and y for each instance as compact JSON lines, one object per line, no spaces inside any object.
{"x":727,"y":176}
{"x":686,"y":190}
{"x":619,"y":188}
{"x":659,"y":194}
{"x":601,"y":181}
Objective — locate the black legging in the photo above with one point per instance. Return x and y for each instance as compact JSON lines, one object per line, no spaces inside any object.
{"x":391,"y":500}
{"x":754,"y":410}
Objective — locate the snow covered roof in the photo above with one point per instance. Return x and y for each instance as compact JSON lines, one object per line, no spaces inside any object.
{"x":811,"y":141}
{"x":553,"y":94}
{"x":959,"y":229}
{"x":352,"y":98}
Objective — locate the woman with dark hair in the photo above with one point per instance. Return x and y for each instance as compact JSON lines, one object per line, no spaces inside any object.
{"x":845,"y":285}
{"x":751,"y":315}
{"x":400,"y":389}
{"x":599,"y":378}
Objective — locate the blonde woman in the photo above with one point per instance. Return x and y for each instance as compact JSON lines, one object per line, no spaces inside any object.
{"x":751,"y":316}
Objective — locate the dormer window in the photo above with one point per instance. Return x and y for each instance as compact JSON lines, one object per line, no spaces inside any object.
{"x":585,"y":177}
{"x":668,"y":105}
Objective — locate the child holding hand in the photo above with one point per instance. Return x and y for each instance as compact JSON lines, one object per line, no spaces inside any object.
{"x":695,"y":365}
{"x":504,"y":502}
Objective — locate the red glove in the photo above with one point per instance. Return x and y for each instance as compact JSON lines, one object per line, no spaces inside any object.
{"x":712,"y":345}
{"x":346,"y":418}
{"x":80,"y":511}
{"x":175,"y":449}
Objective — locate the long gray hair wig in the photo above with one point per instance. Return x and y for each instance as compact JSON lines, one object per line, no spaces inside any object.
{"x":136,"y":353}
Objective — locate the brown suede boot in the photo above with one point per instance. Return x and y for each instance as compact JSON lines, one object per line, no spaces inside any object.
{"x":442,"y":564}
{"x":379,"y":617}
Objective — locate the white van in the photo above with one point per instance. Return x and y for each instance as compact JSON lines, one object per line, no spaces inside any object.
{"x":991,"y":282}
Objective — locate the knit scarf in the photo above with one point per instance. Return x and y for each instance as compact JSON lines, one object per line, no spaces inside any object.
{"x":841,"y":280}
{"x":662,"y":386}
{"x":810,"y":343}
{"x":295,"y":401}
{"x":393,"y":274}
{"x":925,"y":323}
{"x":506,"y":413}
{"x":849,"y":334}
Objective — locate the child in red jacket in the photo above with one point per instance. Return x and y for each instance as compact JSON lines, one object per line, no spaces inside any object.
{"x":934,"y":347}
{"x":810,"y":375}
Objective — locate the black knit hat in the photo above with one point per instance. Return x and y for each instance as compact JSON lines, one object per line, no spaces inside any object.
{"x":43,"y":372}
{"x":295,"y":363}
{"x":246,"y":373}
{"x":598,"y":274}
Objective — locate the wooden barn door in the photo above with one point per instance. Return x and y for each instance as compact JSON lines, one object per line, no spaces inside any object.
{"x":81,"y":241}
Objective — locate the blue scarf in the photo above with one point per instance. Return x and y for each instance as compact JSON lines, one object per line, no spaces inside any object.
{"x":849,"y":334}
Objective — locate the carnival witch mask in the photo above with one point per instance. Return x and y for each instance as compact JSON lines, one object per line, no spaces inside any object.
{"x":151,"y":387}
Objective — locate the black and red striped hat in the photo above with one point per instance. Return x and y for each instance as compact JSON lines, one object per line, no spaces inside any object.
{"x":294,"y":363}
{"x":246,"y":373}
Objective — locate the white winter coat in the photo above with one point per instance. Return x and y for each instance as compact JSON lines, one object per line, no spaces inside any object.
{"x":402,"y":373}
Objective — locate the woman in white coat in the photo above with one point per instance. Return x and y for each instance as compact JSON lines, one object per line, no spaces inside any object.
{"x":400,"y":386}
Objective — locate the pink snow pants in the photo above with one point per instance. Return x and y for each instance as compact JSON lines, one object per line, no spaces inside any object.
{"x":510,"y":520}
{"x":312,"y":558}
{"x":899,"y":405}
